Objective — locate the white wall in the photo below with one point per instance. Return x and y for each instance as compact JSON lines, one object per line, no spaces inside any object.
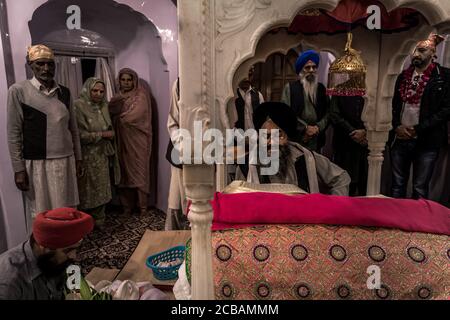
{"x":163,"y":14}
{"x":13,"y":216}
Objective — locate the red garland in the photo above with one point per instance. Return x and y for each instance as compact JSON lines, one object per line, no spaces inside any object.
{"x":407,"y":87}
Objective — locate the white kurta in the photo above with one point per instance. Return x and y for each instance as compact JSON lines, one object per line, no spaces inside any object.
{"x":177,"y":196}
{"x":53,"y":184}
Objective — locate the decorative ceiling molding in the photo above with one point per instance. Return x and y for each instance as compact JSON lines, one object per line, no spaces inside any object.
{"x":234,"y":15}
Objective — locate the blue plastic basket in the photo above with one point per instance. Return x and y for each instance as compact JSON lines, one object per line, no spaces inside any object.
{"x":166,"y":273}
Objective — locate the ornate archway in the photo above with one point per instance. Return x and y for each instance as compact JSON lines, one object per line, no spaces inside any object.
{"x":227,"y":35}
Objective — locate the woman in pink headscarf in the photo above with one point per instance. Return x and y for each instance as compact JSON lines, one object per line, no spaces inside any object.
{"x":131,"y":111}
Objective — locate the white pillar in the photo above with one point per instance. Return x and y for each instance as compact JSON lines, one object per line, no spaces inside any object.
{"x":199,"y":184}
{"x":196,"y":104}
{"x":377,"y":143}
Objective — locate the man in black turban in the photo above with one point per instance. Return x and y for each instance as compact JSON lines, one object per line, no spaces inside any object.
{"x":297,"y":165}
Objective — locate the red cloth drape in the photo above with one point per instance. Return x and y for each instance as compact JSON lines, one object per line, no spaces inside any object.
{"x":249,"y":209}
{"x":350,"y":14}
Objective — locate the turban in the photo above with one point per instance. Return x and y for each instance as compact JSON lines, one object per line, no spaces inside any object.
{"x":280,"y":113}
{"x":303,"y":59}
{"x":62,"y":227}
{"x":431,"y":43}
{"x":39,"y":51}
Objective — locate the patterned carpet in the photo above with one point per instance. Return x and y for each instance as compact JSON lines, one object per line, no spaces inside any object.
{"x":113,"y":246}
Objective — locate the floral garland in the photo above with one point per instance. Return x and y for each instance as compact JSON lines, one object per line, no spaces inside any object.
{"x":411,"y":91}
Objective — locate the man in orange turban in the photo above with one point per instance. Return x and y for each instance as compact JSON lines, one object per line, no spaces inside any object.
{"x":43,"y":137}
{"x":35,"y":270}
{"x":420,"y":112}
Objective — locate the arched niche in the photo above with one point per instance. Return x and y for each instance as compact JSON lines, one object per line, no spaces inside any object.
{"x":129,"y":39}
{"x":99,"y":17}
{"x":243,"y":45}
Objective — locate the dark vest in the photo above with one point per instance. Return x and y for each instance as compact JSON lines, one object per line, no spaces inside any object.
{"x":298,"y":105}
{"x":34,"y":135}
{"x":64,"y":96}
{"x":298,"y":98}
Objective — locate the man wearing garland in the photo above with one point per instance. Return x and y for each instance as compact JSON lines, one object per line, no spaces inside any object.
{"x":420,"y":111}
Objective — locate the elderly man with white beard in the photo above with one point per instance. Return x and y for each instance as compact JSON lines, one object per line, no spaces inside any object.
{"x":308,"y":98}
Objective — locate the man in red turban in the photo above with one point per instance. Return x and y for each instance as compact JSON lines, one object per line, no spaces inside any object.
{"x":35,"y":270}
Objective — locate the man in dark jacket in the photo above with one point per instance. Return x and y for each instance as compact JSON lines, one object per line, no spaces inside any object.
{"x":350,"y":140}
{"x":308,"y":98}
{"x":420,"y":111}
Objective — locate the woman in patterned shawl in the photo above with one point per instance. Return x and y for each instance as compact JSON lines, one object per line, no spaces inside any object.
{"x":132,"y":117}
{"x":98,"y":149}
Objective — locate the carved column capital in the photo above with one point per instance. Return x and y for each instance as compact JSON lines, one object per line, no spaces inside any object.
{"x":199,"y":181}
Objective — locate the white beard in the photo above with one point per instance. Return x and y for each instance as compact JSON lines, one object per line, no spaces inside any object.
{"x":310,"y":87}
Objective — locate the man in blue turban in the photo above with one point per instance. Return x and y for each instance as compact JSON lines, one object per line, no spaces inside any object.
{"x":308,"y":98}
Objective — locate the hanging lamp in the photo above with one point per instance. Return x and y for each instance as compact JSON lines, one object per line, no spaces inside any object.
{"x":347,"y":74}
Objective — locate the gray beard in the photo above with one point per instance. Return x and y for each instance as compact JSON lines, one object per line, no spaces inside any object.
{"x":284,"y":163}
{"x":285,"y":153}
{"x":310,"y":87}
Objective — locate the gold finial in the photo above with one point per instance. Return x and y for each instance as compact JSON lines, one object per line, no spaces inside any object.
{"x":347,"y":74}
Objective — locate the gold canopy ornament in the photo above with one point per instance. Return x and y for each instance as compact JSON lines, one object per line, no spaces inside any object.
{"x":347,"y":74}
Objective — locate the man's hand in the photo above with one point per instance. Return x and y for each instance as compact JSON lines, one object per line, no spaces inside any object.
{"x":403,"y":133}
{"x":80,"y":170}
{"x":21,"y":180}
{"x":412,"y":132}
{"x":107,"y":134}
{"x":359,"y":136}
{"x":364,"y":142}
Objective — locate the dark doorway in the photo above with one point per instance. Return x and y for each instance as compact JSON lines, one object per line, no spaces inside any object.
{"x":88,"y":68}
